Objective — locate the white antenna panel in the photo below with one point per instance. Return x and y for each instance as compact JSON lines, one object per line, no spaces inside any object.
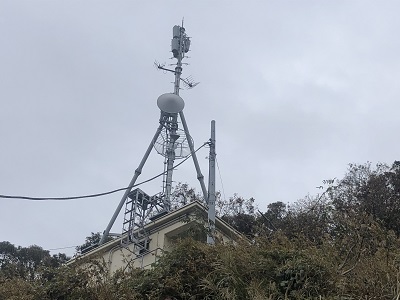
{"x":175,"y":47}
{"x":187,"y":45}
{"x":176,"y":31}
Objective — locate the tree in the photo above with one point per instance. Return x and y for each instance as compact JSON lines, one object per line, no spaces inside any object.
{"x":374,"y":191}
{"x":275,"y":215}
{"x":26,"y":262}
{"x":91,"y":242}
{"x":340,"y":244}
{"x":182,"y":194}
{"x":236,"y":211}
{"x":239,"y":213}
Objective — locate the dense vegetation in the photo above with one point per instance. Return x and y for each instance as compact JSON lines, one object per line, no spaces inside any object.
{"x":340,"y":244}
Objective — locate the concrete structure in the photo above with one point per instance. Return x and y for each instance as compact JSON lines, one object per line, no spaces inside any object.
{"x":189,"y":220}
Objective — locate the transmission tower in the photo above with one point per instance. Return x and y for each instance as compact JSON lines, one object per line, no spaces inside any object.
{"x":170,"y":141}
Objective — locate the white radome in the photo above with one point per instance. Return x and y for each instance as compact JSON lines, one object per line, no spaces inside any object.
{"x":170,"y":103}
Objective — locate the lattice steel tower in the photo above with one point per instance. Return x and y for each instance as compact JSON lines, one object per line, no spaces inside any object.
{"x":169,"y":141}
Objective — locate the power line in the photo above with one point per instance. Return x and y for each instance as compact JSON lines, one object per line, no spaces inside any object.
{"x":98,"y":194}
{"x":220,"y":178}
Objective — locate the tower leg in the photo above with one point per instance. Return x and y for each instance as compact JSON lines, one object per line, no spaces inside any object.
{"x":200,"y":176}
{"x":138,"y":171}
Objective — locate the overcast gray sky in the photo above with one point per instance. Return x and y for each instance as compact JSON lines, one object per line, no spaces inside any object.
{"x":298,"y":90}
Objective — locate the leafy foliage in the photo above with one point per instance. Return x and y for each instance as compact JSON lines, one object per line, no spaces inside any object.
{"x":91,"y":242}
{"x":271,"y":268}
{"x":26,"y":262}
{"x":340,"y":244}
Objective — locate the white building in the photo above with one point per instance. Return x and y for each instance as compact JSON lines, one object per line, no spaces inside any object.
{"x":189,"y":220}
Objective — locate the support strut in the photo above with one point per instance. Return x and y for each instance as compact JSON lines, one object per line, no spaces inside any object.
{"x":200,"y":176}
{"x":138,"y":171}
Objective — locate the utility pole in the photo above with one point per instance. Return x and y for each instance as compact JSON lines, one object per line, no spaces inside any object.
{"x":211,"y":188}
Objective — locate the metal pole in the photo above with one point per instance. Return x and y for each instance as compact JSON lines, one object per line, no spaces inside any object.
{"x":200,"y":176}
{"x":174,"y":125}
{"x":170,"y":162}
{"x":211,"y":188}
{"x":138,"y":171}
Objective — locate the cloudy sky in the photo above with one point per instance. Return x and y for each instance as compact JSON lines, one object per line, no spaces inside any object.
{"x":298,"y":90}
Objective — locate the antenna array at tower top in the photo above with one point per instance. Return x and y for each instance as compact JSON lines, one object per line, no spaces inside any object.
{"x":180,"y":42}
{"x":180,"y":45}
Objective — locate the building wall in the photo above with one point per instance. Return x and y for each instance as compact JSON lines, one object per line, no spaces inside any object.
{"x":160,"y":241}
{"x":122,"y":258}
{"x":162,"y":235}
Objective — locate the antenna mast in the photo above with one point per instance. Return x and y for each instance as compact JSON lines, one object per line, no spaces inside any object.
{"x":180,"y":45}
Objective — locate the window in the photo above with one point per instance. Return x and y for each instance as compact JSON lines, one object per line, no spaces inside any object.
{"x":143,"y":246}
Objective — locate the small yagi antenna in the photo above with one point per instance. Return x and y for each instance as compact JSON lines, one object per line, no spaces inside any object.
{"x":159,"y":65}
{"x":189,"y":82}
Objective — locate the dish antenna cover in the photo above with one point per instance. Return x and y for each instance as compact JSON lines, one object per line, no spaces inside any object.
{"x":170,"y":103}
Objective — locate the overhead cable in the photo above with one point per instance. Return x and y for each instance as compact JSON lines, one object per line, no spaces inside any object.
{"x":220,"y":177}
{"x":98,"y":194}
